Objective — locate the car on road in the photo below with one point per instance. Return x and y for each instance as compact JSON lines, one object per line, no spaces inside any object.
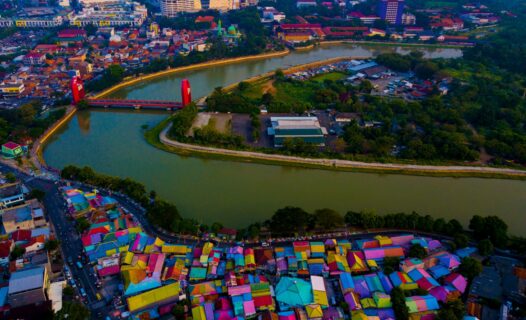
{"x":70,"y":261}
{"x":83,"y":292}
{"x":79,"y":265}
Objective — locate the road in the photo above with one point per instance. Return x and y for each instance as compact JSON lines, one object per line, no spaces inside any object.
{"x":86,"y":278}
{"x":70,"y":242}
{"x":343,"y":164}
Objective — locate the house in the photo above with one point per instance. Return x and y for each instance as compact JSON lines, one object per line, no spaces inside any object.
{"x":27,"y":287}
{"x":34,"y":58}
{"x":24,"y":216}
{"x":11,"y":194}
{"x":306,"y":3}
{"x":6,"y":247}
{"x":11,"y":150}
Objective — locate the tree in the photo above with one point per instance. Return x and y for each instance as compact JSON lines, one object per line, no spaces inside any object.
{"x":289,"y":220}
{"x":179,"y":310}
{"x":391,"y":265}
{"x":82,"y":224}
{"x":426,"y":69}
{"x":490,"y":227}
{"x":470,"y":268}
{"x":243,"y":85}
{"x":37,"y":194}
{"x":215,"y":227}
{"x":68,"y":291}
{"x":161,"y":213}
{"x":328,"y":219}
{"x":485,"y":247}
{"x":417,"y":251}
{"x":17,"y":252}
{"x":452,"y":310}
{"x":399,"y":307}
{"x":461,"y":240}
{"x":51,"y":245}
{"x":72,"y":310}
{"x":10,"y":177}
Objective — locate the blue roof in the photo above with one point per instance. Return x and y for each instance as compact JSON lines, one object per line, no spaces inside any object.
{"x":294,"y":292}
{"x":3,"y":296}
{"x":466,"y":252}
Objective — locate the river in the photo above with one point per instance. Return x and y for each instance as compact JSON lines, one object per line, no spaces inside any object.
{"x":241,"y":193}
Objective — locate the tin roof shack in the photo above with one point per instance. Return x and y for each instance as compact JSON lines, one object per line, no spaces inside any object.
{"x":28,"y":287}
{"x":307,"y":129}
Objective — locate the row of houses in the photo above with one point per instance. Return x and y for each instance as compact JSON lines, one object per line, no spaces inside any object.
{"x":298,"y":280}
{"x":31,"y":276}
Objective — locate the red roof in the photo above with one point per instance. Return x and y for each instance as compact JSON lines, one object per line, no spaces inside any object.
{"x":5,"y":248}
{"x":11,"y":145}
{"x":21,"y":235}
{"x":71,"y":33}
{"x":300,"y":25}
{"x":204,"y":19}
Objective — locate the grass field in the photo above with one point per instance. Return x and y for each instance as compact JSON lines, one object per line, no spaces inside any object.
{"x":334,"y":76}
{"x":440,"y":4}
{"x":289,"y":92}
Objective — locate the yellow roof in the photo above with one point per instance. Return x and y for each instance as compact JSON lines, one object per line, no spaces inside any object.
{"x":372,"y":263}
{"x":198,"y":313}
{"x":207,"y":248}
{"x":314,"y":311}
{"x":158,"y":242}
{"x":127,"y":257}
{"x":176,"y":249}
{"x":148,"y":298}
{"x":320,"y":297}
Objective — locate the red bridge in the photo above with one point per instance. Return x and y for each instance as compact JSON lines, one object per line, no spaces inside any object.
{"x":136,"y":104}
{"x":78,"y":94}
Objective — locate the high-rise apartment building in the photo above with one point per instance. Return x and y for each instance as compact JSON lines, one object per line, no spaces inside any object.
{"x":391,"y":10}
{"x":170,"y":8}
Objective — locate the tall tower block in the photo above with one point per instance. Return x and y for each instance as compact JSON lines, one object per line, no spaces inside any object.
{"x":77,"y":89}
{"x":186,"y":94}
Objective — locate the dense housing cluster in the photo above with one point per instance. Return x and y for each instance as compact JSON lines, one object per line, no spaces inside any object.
{"x":291,"y":280}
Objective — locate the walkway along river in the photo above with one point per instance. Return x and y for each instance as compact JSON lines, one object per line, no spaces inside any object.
{"x":241,"y":193}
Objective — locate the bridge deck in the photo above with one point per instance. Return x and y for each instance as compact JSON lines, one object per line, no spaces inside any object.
{"x":134,"y":103}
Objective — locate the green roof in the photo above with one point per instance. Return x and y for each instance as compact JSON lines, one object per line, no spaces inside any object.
{"x":298,"y":132}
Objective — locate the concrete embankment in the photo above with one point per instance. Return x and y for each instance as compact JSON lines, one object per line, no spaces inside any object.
{"x":36,"y":150}
{"x":295,"y":69}
{"x":344,"y":165}
{"x":189,"y":68}
{"x":391,"y":44}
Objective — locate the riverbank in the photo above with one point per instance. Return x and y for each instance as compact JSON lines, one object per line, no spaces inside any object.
{"x":392,"y":44}
{"x":185,"y":149}
{"x":36,"y":151}
{"x":202,"y":65}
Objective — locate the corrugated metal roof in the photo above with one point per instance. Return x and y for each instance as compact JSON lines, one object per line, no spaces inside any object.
{"x":26,"y":280}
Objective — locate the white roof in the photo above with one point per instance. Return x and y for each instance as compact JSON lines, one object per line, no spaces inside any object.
{"x":318,"y":283}
{"x":55,"y":294}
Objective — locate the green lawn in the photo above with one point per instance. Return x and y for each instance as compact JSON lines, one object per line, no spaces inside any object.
{"x":289,"y":92}
{"x":334,"y":76}
{"x":440,"y":4}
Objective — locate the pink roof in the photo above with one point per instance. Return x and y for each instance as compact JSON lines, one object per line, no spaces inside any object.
{"x":239,"y":290}
{"x":111,"y":270}
{"x":457,"y":280}
{"x":10,"y":145}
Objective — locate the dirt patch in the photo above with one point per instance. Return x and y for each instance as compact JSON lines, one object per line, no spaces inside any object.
{"x":268,"y":87}
{"x":220,"y":121}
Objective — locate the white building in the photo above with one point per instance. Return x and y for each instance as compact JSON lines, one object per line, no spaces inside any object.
{"x":170,"y":8}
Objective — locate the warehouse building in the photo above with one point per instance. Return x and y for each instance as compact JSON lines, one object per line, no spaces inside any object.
{"x":306,"y":128}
